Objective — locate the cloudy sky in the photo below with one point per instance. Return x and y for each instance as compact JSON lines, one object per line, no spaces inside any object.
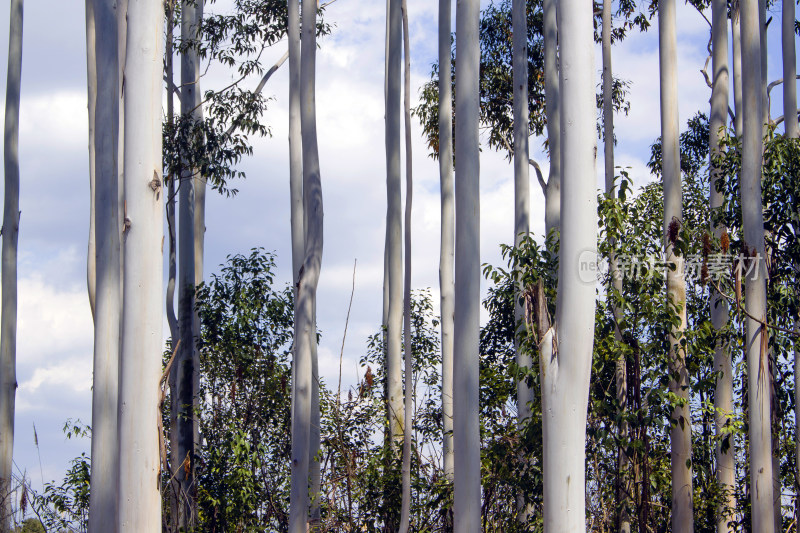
{"x":54,"y":352}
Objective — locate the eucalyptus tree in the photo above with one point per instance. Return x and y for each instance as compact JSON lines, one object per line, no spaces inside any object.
{"x":447,"y":235}
{"x":565,"y":349}
{"x":409,"y":392}
{"x":466,"y":428}
{"x":791,"y":131}
{"x":756,"y":337}
{"x":8,"y":315}
{"x":789,"y":72}
{"x":552,"y":189}
{"x":680,"y":420}
{"x":139,"y":498}
{"x":187,"y":363}
{"x":308,"y":278}
{"x":107,"y":226}
{"x":521,"y":204}
{"x":621,"y":370}
{"x":736,"y":58}
{"x":91,"y":91}
{"x":723,"y":394}
{"x":394,"y":253}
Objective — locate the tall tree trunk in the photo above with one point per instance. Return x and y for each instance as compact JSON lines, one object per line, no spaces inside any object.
{"x":103,"y":501}
{"x":681,"y":421}
{"x":467,"y":503}
{"x":187,"y":361}
{"x":761,"y":487}
{"x":736,"y":47}
{"x":723,"y":395}
{"x":789,"y":70}
{"x":394,"y":230}
{"x":172,"y":269}
{"x":91,"y":91}
{"x":552,"y":192}
{"x":566,"y":348}
{"x":405,"y":511}
{"x":140,"y":361}
{"x":791,"y":131}
{"x":308,"y":279}
{"x":624,"y":487}
{"x":447,"y":239}
{"x":521,"y":212}
{"x":10,"y":231}
{"x":762,"y":38}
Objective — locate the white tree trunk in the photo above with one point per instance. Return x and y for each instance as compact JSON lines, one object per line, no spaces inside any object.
{"x":187,"y":361}
{"x":447,"y":239}
{"x":140,"y":359}
{"x":8,"y":316}
{"x":307,"y":280}
{"x":565,"y":361}
{"x":723,"y":395}
{"x":172,"y":269}
{"x":103,"y":501}
{"x":405,"y":511}
{"x":467,"y":502}
{"x":761,"y":489}
{"x":552,"y":193}
{"x":789,"y":71}
{"x":762,"y":37}
{"x":521,"y":208}
{"x":736,"y":47}
{"x":681,"y":422}
{"x":91,"y":90}
{"x":394,"y":230}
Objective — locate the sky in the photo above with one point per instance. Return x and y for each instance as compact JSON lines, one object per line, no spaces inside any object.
{"x":54,"y":352}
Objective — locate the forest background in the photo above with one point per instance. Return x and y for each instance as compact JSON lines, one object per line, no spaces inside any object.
{"x":55,"y":327}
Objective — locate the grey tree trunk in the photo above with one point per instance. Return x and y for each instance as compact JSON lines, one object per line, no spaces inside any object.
{"x":723,"y":395}
{"x":447,"y":239}
{"x":172,"y":269}
{"x":789,"y":72}
{"x":308,"y":279}
{"x":91,"y":91}
{"x":408,"y":422}
{"x":552,"y":192}
{"x":681,"y":421}
{"x":394,"y":230}
{"x":761,"y":488}
{"x":566,"y":348}
{"x":187,"y":361}
{"x":762,"y":38}
{"x":467,"y":501}
{"x":8,"y":315}
{"x":624,"y":487}
{"x":521,"y":209}
{"x":139,"y":498}
{"x":104,"y":450}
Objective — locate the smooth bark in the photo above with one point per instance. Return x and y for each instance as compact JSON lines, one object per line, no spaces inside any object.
{"x":10,"y":231}
{"x":521,"y":210}
{"x":789,"y":73}
{"x":723,"y":394}
{"x":736,"y":47}
{"x":91,"y":91}
{"x":680,"y":421}
{"x":140,"y":360}
{"x":394,"y":230}
{"x":104,"y":449}
{"x":447,"y":236}
{"x":405,"y":510}
{"x":467,"y":501}
{"x":566,"y":348}
{"x":307,"y":280}
{"x":552,"y":192}
{"x":760,"y":437}
{"x":187,"y":361}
